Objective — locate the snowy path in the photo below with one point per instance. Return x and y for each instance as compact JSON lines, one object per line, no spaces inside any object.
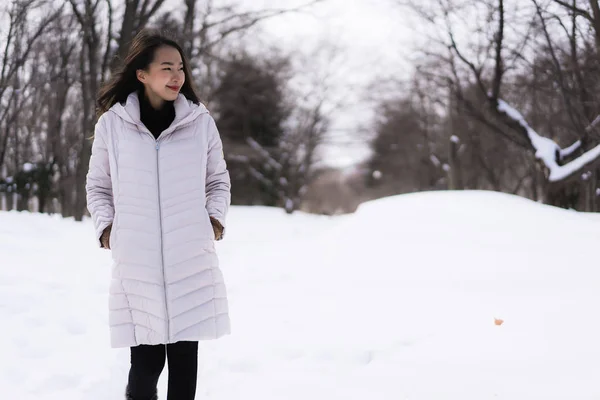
{"x":395,"y":302}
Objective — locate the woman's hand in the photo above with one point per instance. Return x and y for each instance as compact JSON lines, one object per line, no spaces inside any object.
{"x":217,"y":228}
{"x":104,"y":239}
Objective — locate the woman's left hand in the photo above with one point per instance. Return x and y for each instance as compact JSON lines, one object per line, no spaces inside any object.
{"x":217,"y":228}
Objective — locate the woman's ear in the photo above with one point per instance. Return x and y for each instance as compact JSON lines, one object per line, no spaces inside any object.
{"x":141,"y":75}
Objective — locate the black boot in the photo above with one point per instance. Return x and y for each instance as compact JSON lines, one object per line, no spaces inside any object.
{"x":128,"y":395}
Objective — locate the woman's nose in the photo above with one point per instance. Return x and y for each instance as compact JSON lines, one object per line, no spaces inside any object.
{"x":178,"y":76}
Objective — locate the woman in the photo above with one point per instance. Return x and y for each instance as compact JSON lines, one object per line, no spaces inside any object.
{"x":158,"y":191}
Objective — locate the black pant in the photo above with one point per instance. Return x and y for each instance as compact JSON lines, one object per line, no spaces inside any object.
{"x":147,"y":363}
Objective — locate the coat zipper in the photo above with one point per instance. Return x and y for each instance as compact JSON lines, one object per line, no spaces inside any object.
{"x":162,"y":250}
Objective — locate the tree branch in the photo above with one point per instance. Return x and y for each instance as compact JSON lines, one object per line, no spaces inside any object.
{"x":472,"y":67}
{"x":558,"y":69}
{"x":547,"y":151}
{"x":77,"y":13}
{"x":109,"y":39}
{"x":144,"y":16}
{"x":575,"y":10}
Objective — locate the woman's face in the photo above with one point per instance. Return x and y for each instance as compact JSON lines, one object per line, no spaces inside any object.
{"x":164,"y":76}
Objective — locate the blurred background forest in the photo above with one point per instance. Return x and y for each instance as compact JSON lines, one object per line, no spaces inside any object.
{"x":492,"y":94}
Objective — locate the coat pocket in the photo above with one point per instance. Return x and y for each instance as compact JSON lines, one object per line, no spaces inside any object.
{"x":208,"y":225}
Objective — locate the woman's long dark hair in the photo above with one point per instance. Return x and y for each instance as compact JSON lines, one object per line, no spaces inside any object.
{"x":141,"y":54}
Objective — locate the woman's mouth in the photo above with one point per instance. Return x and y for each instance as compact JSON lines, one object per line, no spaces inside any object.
{"x":174,"y":88}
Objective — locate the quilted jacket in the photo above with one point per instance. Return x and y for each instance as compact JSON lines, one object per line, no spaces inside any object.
{"x":159,"y":195}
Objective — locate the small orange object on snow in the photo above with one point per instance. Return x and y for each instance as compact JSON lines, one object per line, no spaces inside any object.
{"x":498,"y":321}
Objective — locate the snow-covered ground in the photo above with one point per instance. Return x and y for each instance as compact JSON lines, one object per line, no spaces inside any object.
{"x":395,"y":302}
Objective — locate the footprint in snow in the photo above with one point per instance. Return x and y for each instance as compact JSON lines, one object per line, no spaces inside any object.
{"x":366,"y":357}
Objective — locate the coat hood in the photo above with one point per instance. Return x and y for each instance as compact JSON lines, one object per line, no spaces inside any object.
{"x":185,"y":110}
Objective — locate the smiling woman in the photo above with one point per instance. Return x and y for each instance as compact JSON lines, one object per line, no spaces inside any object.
{"x":157,"y":67}
{"x":164,"y":76}
{"x":158,"y":191}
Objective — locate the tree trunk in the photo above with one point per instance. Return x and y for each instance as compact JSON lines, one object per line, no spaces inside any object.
{"x":454,"y":172}
{"x":89,"y":89}
{"x":66,"y":195}
{"x":10,"y":203}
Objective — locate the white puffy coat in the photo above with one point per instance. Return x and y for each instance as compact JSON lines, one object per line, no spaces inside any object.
{"x":158,"y":194}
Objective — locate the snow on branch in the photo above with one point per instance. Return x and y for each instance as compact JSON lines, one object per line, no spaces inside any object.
{"x":269,"y":160}
{"x":570,"y":150}
{"x":547,"y":150}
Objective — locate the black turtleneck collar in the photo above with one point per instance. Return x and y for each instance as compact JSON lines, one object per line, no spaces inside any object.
{"x":156,"y":120}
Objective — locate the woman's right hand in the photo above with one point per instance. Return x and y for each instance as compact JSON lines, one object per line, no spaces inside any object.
{"x":104,"y":239}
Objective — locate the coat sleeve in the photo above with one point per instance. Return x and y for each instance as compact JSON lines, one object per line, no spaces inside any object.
{"x":218,"y":183}
{"x":98,"y":183}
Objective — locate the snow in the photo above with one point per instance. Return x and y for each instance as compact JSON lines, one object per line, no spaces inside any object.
{"x":565,"y":170}
{"x":570,"y":150}
{"x":28,"y":167}
{"x":397,"y":301}
{"x":546,"y":149}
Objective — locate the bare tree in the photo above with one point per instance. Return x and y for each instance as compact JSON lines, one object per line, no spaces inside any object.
{"x":294,"y":161}
{"x":18,"y":43}
{"x":589,"y":10}
{"x":17,"y":89}
{"x":60,"y":49}
{"x":88,"y":16}
{"x":486,"y":66}
{"x":137,"y":15}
